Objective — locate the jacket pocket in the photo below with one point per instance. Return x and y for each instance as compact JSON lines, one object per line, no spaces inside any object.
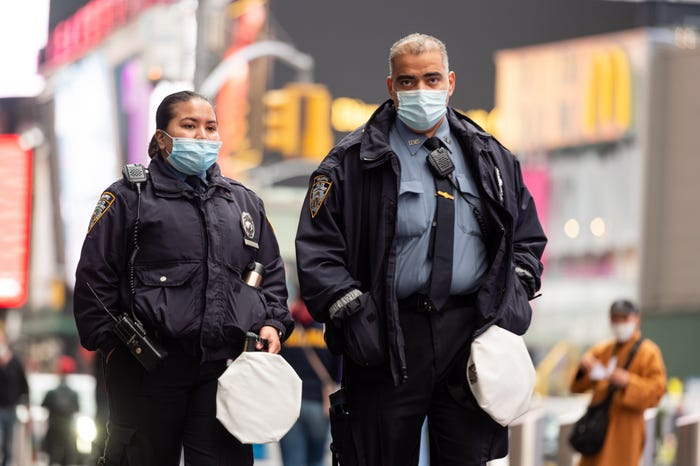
{"x":411,"y":201}
{"x":245,"y":309}
{"x":516,"y":311}
{"x":363,"y":332}
{"x":169,"y":297}
{"x":464,"y":211}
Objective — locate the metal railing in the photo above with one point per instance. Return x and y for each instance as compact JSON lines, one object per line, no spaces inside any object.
{"x":688,"y":452}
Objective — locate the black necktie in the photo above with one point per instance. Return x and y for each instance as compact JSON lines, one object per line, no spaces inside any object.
{"x":196,"y":182}
{"x":442,"y":236}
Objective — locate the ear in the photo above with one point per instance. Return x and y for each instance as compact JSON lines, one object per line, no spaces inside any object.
{"x":390,"y":88}
{"x":160,"y":139}
{"x":451,"y":80}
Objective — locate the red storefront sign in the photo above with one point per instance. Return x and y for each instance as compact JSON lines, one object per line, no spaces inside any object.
{"x":15,"y":217}
{"x":90,"y":25}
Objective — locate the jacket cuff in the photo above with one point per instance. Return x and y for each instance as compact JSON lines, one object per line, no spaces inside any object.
{"x":277,"y":325}
{"x":343,"y":301}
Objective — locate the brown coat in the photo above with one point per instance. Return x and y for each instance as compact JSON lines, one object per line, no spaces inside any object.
{"x":625,"y":437}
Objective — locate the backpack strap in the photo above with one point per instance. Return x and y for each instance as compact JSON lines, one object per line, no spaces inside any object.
{"x":633,"y":352}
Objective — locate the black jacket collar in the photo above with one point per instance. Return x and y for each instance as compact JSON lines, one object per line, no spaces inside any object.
{"x":165,"y":181}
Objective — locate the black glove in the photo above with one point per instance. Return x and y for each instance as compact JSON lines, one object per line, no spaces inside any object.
{"x":527,"y":280}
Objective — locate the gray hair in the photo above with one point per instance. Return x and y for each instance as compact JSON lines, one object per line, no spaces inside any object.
{"x":416,"y":44}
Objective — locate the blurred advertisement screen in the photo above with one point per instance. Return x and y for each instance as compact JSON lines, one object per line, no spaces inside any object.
{"x":15,"y":215}
{"x":86,"y":139}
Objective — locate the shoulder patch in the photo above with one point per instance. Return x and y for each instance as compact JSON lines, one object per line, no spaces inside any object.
{"x":319,"y":191}
{"x":103,"y":205}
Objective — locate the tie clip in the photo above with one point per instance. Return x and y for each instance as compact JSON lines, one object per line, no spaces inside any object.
{"x":446,"y":195}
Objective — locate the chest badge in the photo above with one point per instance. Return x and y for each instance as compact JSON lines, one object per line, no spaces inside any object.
{"x":248,"y":227}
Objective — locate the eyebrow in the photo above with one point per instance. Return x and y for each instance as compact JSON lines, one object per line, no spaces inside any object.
{"x":195,"y":120}
{"x":431,"y":74}
{"x":405,"y":76}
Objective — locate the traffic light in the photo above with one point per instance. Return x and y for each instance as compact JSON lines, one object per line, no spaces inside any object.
{"x":282,"y":121}
{"x":317,"y":137}
{"x":297,"y":120}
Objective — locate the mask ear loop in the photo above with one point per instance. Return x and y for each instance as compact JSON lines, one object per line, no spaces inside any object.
{"x":172,"y":139}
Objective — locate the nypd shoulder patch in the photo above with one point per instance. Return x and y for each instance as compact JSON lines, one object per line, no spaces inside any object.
{"x":319,"y":190}
{"x":103,"y":205}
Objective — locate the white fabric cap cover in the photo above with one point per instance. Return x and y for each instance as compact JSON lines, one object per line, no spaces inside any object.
{"x":500,"y":374}
{"x":258,"y":397}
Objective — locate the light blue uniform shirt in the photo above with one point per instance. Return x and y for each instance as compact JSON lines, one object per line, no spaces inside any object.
{"x":416,"y":210}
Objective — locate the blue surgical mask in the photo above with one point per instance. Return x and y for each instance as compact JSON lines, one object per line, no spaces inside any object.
{"x":422,"y":109}
{"x":193,"y":156}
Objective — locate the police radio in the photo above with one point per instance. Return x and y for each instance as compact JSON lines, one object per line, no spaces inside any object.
{"x":131,"y":332}
{"x":135,"y":173}
{"x":442,"y":167}
{"x":441,"y":164}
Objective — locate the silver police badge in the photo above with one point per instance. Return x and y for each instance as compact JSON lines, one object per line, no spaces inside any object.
{"x":248,"y":227}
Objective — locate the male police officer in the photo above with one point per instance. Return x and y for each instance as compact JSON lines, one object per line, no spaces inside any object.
{"x":404,"y":263}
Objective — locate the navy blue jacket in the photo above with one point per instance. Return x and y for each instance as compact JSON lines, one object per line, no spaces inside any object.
{"x":346,"y":233}
{"x":193,"y":250}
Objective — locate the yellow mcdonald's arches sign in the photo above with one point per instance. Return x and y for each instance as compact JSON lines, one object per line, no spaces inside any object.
{"x":608,"y":103}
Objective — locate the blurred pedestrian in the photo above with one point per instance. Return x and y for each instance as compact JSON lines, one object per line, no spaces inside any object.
{"x":62,"y":404}
{"x":13,"y":391}
{"x":173,"y":250}
{"x":306,"y":443}
{"x":417,"y":233}
{"x":637,"y":388}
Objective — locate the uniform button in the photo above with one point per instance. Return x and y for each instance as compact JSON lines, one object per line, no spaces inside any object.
{"x":163,"y":278}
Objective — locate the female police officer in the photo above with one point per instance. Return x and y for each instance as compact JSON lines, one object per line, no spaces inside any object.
{"x":170,"y":250}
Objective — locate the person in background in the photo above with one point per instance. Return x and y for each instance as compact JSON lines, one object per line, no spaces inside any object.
{"x":417,"y":233}
{"x":62,"y":404}
{"x":174,"y":253}
{"x":639,"y":387}
{"x":306,"y":443}
{"x":13,"y":391}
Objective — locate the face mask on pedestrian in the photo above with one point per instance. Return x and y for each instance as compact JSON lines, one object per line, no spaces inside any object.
{"x":193,"y":156}
{"x":623,"y":332}
{"x":423,"y":108}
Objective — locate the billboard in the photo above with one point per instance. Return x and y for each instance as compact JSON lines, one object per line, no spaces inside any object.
{"x":15,"y":217}
{"x":571,"y":93}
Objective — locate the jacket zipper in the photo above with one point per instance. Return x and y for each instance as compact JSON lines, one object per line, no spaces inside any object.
{"x":205,"y":258}
{"x":499,"y":182}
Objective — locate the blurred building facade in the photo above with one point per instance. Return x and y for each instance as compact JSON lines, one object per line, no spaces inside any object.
{"x":607,"y":120}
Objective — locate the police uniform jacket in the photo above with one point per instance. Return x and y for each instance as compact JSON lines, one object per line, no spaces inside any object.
{"x":193,"y":248}
{"x":345,"y":238}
